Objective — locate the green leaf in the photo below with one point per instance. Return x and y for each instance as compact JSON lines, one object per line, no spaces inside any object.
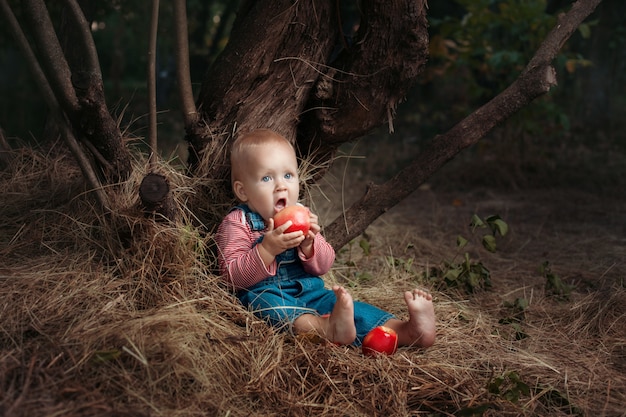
{"x":497,"y":225}
{"x":494,"y":385}
{"x":474,"y":280}
{"x":365,"y":246}
{"x":520,"y":334}
{"x":489,"y":243}
{"x":476,"y":222}
{"x":521,"y":303}
{"x":452,"y":274}
{"x":461,"y":241}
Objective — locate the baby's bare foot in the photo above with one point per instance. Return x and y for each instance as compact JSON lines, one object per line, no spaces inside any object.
{"x":421,"y":324}
{"x":341,"y":327}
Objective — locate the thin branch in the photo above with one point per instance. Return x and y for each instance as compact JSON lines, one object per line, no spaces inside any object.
{"x":190,"y":112}
{"x":152,"y":106}
{"x":84,"y":42}
{"x":53,"y":105}
{"x":536,"y":79}
{"x":53,"y":60}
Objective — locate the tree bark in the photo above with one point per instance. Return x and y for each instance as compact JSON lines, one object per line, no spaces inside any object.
{"x":74,"y":75}
{"x":370,"y":77}
{"x":275,"y":73}
{"x":93,"y":119}
{"x":151,"y":84}
{"x":52,"y":103}
{"x":183,"y":76}
{"x":262,"y":78}
{"x":536,"y":79}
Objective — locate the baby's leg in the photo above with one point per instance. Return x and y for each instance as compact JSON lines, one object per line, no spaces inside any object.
{"x":338,"y":327}
{"x":419,"y":330}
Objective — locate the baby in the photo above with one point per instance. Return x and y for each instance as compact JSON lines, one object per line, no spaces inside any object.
{"x":277,"y":274}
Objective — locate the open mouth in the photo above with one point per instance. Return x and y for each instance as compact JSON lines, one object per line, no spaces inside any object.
{"x":280,"y":204}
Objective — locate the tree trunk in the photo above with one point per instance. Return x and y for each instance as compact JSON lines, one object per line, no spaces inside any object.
{"x":362,"y":88}
{"x":275,"y":73}
{"x":263,"y":77}
{"x":72,"y":70}
{"x":93,"y":119}
{"x":281,"y":70}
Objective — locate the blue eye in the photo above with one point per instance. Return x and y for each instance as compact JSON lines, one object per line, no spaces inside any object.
{"x":266,"y":178}
{"x":288,"y":176}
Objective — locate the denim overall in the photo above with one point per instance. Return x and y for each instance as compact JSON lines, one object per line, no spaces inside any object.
{"x":282,"y":298}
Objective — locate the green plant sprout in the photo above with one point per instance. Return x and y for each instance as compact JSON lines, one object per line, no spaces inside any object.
{"x":508,"y":386}
{"x":554,"y":284}
{"x":470,"y":275}
{"x":515,"y":319}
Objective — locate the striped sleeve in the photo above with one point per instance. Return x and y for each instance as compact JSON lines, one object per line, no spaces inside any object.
{"x":322,"y":259}
{"x":239,"y":259}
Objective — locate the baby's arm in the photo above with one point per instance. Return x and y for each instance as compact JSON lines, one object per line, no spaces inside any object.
{"x":240,"y":261}
{"x":322,"y":258}
{"x":316,"y":254}
{"x":306,"y":247}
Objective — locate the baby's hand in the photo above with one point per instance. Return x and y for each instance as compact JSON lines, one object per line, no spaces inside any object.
{"x":307,"y":244}
{"x":276,"y":241}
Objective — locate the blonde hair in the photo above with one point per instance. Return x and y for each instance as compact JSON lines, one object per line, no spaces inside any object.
{"x":244,"y":146}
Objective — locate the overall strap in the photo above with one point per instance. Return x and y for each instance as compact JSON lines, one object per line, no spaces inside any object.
{"x":255,"y":221}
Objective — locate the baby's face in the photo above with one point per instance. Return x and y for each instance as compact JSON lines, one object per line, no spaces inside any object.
{"x":270,"y":179}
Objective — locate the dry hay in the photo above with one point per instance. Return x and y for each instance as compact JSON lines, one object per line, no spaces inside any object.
{"x":122,"y":316}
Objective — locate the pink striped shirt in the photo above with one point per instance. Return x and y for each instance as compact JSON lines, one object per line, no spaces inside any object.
{"x":240,"y":262}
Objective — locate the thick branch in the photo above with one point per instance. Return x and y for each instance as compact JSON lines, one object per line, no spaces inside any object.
{"x":185,"y":92}
{"x":536,"y":79}
{"x":51,"y":54}
{"x":83,"y":48}
{"x":92,"y":121}
{"x":156,"y":198}
{"x":265,"y":83}
{"x":371,"y":76}
{"x":52,"y":103}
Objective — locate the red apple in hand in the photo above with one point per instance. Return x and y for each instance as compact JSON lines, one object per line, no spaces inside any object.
{"x":299,"y":216}
{"x":380,"y":340}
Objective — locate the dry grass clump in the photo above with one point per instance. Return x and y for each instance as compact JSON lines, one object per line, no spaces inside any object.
{"x":120,"y":315}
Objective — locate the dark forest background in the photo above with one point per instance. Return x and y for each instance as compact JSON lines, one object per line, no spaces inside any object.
{"x":477,"y":48}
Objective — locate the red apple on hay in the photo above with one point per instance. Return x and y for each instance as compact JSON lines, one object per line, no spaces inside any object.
{"x":299,"y":216}
{"x":380,"y":340}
